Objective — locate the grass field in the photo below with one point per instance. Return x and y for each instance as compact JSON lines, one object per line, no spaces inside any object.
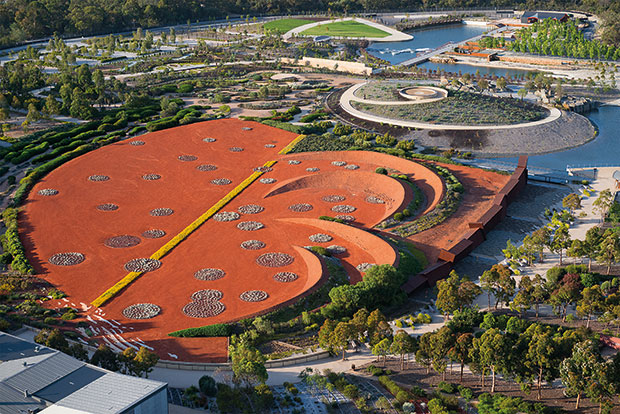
{"x":284,"y":25}
{"x":349,"y":28}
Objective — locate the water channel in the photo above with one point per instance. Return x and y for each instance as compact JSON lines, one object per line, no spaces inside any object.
{"x":603,"y":150}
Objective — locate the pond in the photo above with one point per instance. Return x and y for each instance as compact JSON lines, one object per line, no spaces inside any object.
{"x":397,"y":52}
{"x":603,"y":150}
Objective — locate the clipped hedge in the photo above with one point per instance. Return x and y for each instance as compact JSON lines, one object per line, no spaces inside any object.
{"x":26,"y":183}
{"x":218,"y":329}
{"x":13,"y":245}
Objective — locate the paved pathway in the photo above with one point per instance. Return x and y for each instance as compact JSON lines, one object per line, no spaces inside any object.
{"x":348,"y":96}
{"x":394,"y":35}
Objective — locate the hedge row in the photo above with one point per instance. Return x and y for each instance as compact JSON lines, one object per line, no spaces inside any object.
{"x":218,"y":329}
{"x":13,"y":245}
{"x":26,"y":183}
{"x":401,"y":394}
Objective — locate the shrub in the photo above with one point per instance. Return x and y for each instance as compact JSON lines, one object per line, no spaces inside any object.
{"x":399,"y":216}
{"x":446,"y":387}
{"x":351,"y":392}
{"x":418,"y":391}
{"x":555,"y":274}
{"x":320,"y":250}
{"x":406,"y":213}
{"x":50,"y":321}
{"x":68,"y":316}
{"x":207,"y":386}
{"x":218,"y":329}
{"x":381,"y":170}
{"x":466,"y":393}
{"x":402,"y":396}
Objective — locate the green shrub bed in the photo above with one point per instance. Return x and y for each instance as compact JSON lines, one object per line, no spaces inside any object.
{"x":218,"y":329}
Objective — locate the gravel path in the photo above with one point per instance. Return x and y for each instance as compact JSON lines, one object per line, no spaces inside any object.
{"x":568,"y":131}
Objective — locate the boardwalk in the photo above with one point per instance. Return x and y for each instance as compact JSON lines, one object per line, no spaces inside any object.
{"x":447,"y":47}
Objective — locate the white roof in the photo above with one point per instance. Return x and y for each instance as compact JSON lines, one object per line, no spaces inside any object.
{"x":112,"y":393}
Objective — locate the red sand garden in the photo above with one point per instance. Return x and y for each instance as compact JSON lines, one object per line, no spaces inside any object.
{"x":85,"y":224}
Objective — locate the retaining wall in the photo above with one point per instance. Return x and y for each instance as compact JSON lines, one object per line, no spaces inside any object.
{"x":476,"y":234}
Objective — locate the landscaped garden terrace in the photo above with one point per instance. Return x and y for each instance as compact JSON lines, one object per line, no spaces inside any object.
{"x":459,"y":108}
{"x":127,"y":256}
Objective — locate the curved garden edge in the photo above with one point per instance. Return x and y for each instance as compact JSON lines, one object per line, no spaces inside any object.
{"x":348,"y":96}
{"x":395,"y":35}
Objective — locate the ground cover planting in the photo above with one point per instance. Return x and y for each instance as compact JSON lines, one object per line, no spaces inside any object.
{"x":347,"y":28}
{"x":460,"y":108}
{"x":199,"y":253}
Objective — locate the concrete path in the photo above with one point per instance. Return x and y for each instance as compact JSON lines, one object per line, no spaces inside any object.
{"x":348,"y":96}
{"x":394,"y":35}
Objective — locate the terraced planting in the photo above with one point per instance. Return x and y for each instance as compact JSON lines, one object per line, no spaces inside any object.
{"x":183,"y":250}
{"x":460,"y":108}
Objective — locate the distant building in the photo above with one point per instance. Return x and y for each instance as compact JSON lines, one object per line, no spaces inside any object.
{"x":37,"y":379}
{"x":536,"y":16}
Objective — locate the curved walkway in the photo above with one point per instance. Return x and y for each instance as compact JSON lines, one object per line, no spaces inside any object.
{"x":348,"y":96}
{"x":394,"y":35}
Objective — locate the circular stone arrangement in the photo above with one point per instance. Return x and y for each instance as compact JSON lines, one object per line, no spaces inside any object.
{"x":343,"y":208}
{"x":250,"y":225}
{"x":285,"y":277}
{"x":160,"y":212}
{"x":351,"y":167}
{"x":121,"y":242}
{"x":320,"y":238}
{"x":187,"y":158}
{"x":252,"y":245}
{"x":235,"y":149}
{"x":98,"y":177}
{"x":374,"y":200}
{"x":151,"y":177}
{"x":294,"y":162}
{"x":47,"y":192}
{"x":209,"y":139}
{"x":207,"y":295}
{"x":226,"y":216}
{"x":203,"y":309}
{"x":275,"y":259}
{"x":221,"y":181}
{"x":137,"y":143}
{"x":153,"y":234}
{"x":364,"y":267}
{"x":333,"y":198}
{"x":209,"y":274}
{"x":107,"y":207}
{"x":206,"y":167}
{"x":250,"y":209}
{"x":267,"y":180}
{"x":263,"y":169}
{"x":141,"y":311}
{"x":335,"y":249}
{"x":300,"y":207}
{"x":142,"y":265}
{"x":339,"y":163}
{"x":312,"y":169}
{"x":345,"y":217}
{"x":253,"y":296}
{"x":66,"y":259}
{"x":270,"y":146}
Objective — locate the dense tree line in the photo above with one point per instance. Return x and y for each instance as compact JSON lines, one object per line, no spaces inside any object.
{"x":22,"y":20}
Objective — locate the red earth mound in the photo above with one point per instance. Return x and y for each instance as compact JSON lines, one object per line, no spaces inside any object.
{"x":230,"y":268}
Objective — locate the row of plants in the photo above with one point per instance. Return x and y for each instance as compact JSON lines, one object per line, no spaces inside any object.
{"x":166,"y":248}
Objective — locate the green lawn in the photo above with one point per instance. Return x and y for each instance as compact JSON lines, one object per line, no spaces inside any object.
{"x":348,"y":28}
{"x":284,"y":25}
